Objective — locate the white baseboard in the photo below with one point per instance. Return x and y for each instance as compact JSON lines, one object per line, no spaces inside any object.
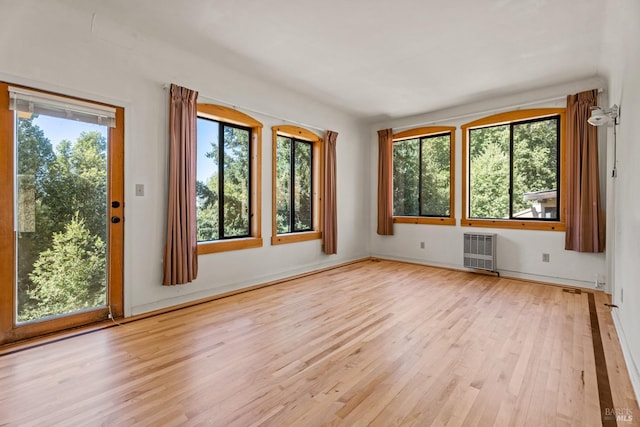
{"x":549,"y":279}
{"x":227,"y":288}
{"x":632,"y":368}
{"x":504,"y":273}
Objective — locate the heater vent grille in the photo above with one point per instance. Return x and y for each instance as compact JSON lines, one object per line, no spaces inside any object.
{"x":480,"y":251}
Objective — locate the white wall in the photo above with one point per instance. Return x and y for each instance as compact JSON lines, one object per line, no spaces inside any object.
{"x":50,"y":46}
{"x":47,"y":45}
{"x":519,"y":252}
{"x":621,"y":63}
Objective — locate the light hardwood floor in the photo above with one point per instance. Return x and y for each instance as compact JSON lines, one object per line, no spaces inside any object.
{"x":377,"y":342}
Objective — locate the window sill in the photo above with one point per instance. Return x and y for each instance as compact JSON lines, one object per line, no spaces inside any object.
{"x":281,"y":239}
{"x":229,"y":245}
{"x":424,"y":220}
{"x":514,"y":224}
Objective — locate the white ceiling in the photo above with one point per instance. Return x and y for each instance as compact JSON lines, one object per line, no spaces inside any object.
{"x":381,"y":59}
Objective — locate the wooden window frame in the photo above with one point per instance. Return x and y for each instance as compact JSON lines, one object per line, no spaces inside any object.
{"x":316,"y":141}
{"x":228,"y":115}
{"x":432,"y":131}
{"x":503,"y":119}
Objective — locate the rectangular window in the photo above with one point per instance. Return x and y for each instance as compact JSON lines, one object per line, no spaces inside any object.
{"x":223,"y":184}
{"x":294,"y":185}
{"x":514,"y":170}
{"x":422,"y":176}
{"x":297,"y":184}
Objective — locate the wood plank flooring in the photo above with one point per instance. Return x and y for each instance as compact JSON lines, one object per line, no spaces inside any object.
{"x":376,"y":343}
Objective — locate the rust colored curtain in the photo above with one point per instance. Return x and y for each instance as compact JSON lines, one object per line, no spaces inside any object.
{"x":181,"y":249}
{"x":584,"y":220}
{"x":330,"y":212}
{"x":385,"y":183}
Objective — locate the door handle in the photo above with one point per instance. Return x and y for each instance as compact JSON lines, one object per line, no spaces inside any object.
{"x":115,"y":219}
{"x":115,"y":204}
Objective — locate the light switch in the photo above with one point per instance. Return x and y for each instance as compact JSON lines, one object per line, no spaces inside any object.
{"x":139,"y":190}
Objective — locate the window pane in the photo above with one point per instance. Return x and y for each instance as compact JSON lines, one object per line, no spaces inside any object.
{"x":207,"y":180}
{"x":283,"y":184}
{"x":61,"y":207}
{"x":302,"y":187}
{"x":405,"y":177}
{"x":236,"y":182}
{"x":535,"y":169}
{"x":489,"y":172}
{"x":435,"y":175}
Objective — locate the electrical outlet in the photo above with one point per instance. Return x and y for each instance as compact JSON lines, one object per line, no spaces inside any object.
{"x":421,"y":245}
{"x":545,"y":257}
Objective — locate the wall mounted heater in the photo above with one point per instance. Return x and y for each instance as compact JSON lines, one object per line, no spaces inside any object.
{"x":480,"y":250}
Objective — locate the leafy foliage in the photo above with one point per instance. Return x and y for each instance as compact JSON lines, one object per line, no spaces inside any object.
{"x":283,"y":184}
{"x":421,"y":176}
{"x":302,"y":189}
{"x":534,"y":158}
{"x":70,"y":187}
{"x":436,"y":176}
{"x":35,"y":157}
{"x":489,"y":166}
{"x":293,"y":193}
{"x":236,"y":181}
{"x":236,"y":178}
{"x":70,"y":275}
{"x":406,"y":173}
{"x":489,"y":187}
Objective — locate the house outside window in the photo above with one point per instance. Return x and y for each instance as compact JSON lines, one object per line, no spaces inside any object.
{"x":513,"y":170}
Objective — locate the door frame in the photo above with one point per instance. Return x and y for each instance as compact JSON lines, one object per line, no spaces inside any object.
{"x":10,"y":331}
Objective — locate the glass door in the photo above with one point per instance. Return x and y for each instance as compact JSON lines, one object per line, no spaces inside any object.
{"x":66,"y":209}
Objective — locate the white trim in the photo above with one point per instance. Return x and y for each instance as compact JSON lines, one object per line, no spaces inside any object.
{"x":632,"y":368}
{"x":263,"y":280}
{"x":503,"y":273}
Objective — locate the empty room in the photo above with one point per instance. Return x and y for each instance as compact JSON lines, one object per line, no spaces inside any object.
{"x":309,"y":213}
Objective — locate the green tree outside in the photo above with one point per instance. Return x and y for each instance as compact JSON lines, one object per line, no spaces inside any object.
{"x":69,"y":186}
{"x":283,"y":184}
{"x":535,"y":163}
{"x":300,"y":217}
{"x":70,"y":275}
{"x":236,"y":185}
{"x":421,"y":185}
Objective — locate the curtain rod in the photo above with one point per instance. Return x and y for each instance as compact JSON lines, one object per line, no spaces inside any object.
{"x":494,"y":110}
{"x":262,"y":113}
